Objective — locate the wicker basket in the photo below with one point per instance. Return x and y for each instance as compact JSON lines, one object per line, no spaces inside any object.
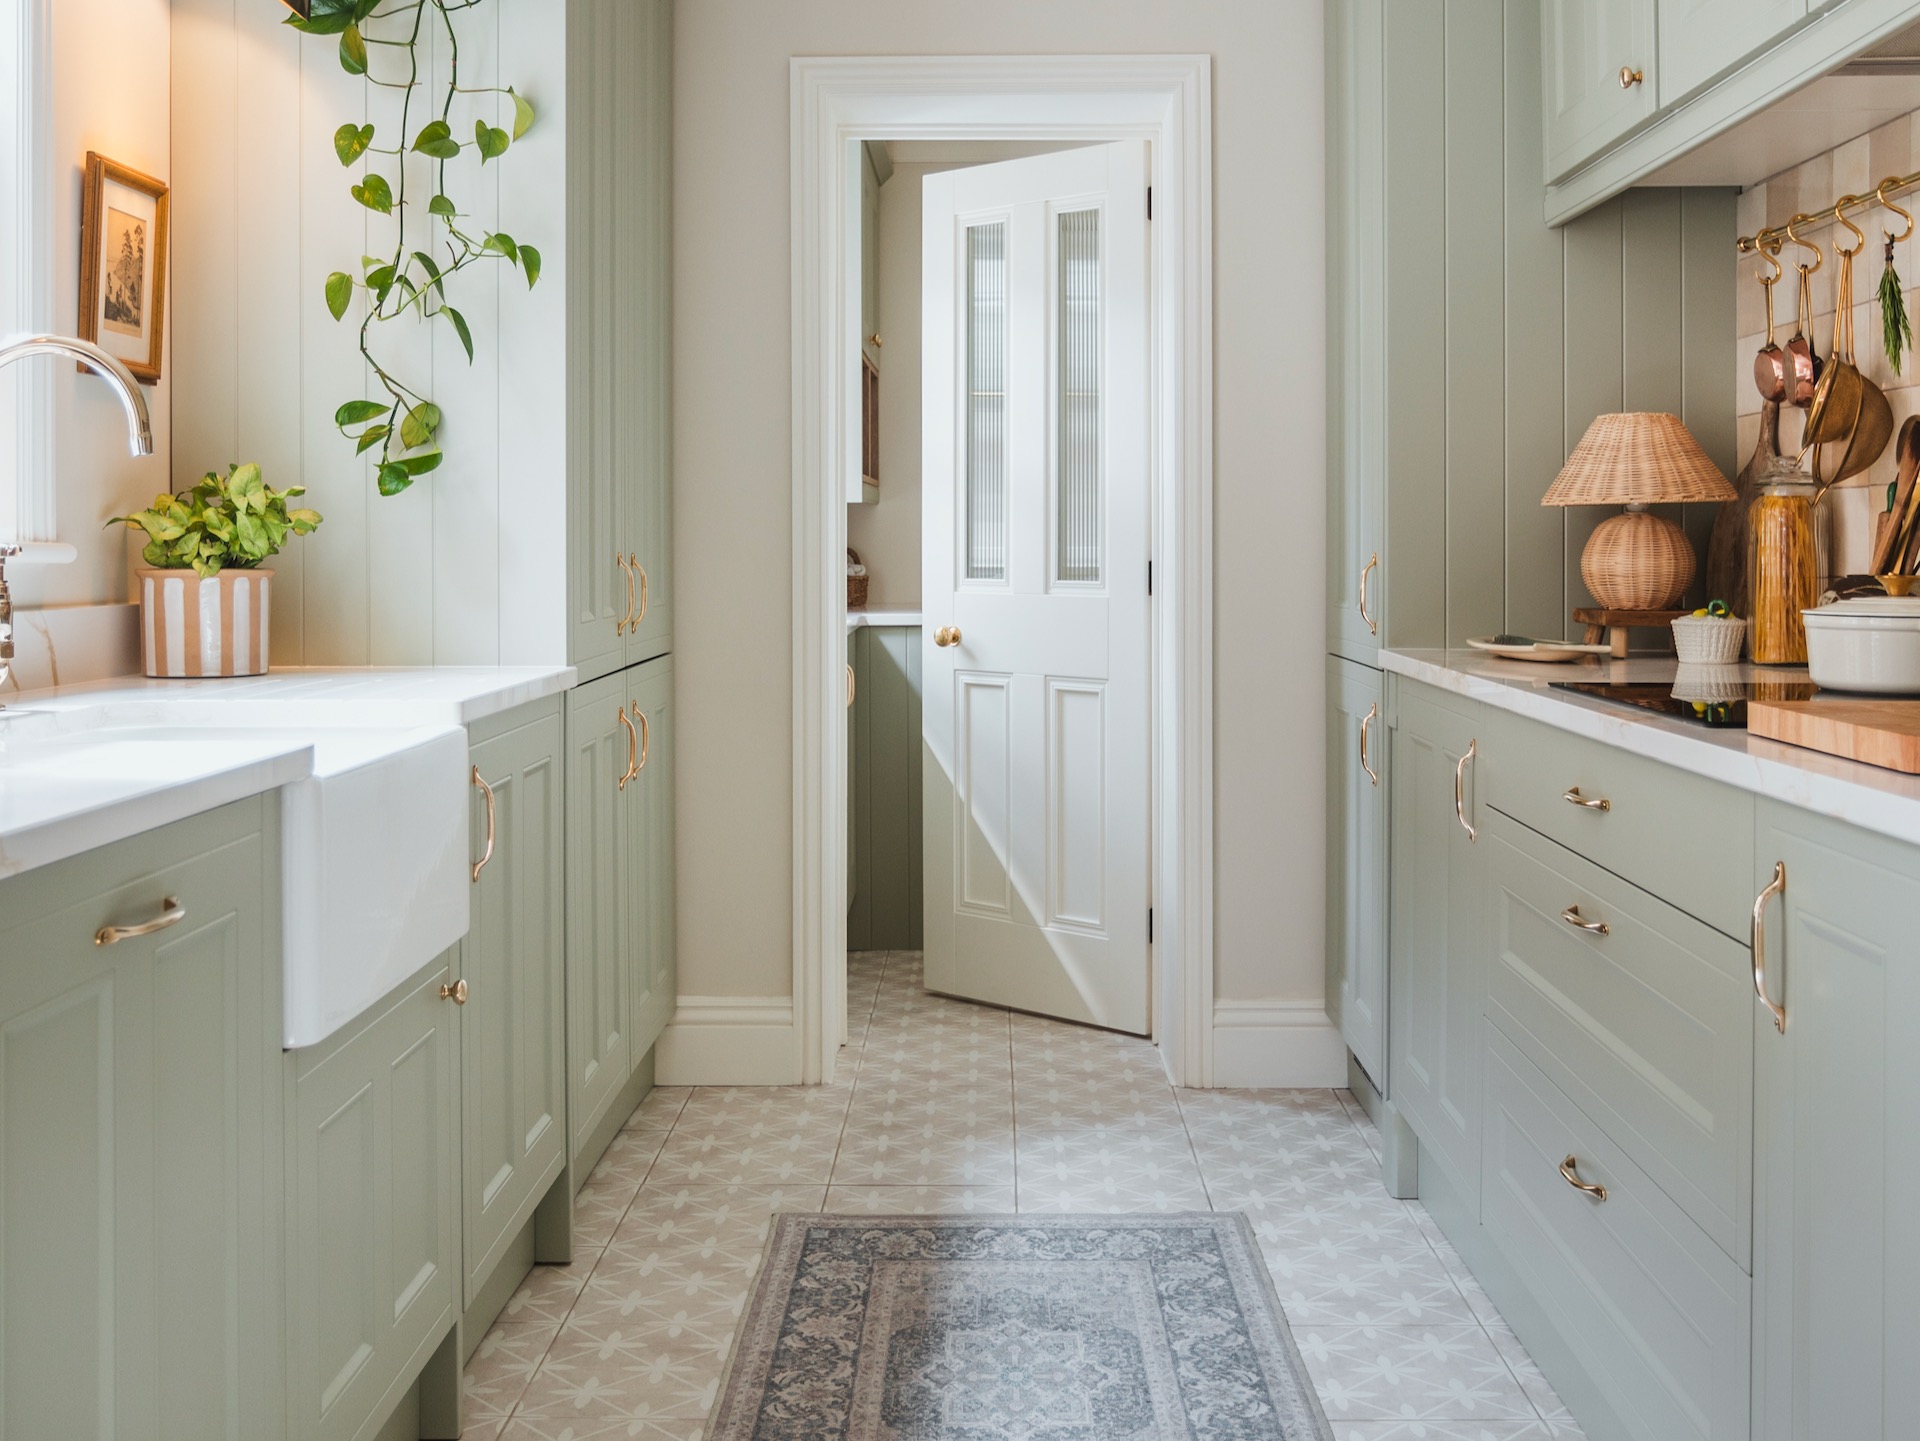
{"x":856,"y":584}
{"x":1708,"y":640}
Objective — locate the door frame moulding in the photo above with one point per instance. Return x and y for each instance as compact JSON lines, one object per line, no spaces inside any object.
{"x":1164,"y":99}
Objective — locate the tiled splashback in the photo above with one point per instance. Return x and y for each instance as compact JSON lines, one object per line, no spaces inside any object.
{"x":1855,"y":167}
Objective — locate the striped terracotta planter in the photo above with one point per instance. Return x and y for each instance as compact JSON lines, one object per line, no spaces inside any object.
{"x":191,"y":627}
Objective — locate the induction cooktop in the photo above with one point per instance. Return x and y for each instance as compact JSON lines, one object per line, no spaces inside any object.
{"x":1728,"y":712}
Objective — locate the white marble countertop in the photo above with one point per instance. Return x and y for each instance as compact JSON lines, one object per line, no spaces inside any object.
{"x":83,"y":766}
{"x":1875,"y":799}
{"x":882,"y":615}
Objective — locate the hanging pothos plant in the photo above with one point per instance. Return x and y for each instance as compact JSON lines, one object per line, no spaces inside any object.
{"x":382,"y":40}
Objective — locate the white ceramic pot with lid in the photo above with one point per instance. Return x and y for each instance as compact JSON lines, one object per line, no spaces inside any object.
{"x":1870,"y":644}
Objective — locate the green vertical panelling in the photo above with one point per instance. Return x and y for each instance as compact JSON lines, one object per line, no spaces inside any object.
{"x":1475,"y":340}
{"x":860,"y":911}
{"x":886,"y":807}
{"x":1650,"y":300}
{"x":1707,"y":321}
{"x":1593,"y":301}
{"x":1535,"y":334}
{"x":1416,"y":352}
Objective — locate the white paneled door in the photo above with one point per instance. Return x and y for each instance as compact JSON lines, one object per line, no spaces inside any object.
{"x":1035,"y":526}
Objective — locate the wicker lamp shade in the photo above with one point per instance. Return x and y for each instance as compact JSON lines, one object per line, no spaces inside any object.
{"x":1637,"y":560}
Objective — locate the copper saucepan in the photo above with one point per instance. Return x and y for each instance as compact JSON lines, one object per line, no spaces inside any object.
{"x":1770,"y":363}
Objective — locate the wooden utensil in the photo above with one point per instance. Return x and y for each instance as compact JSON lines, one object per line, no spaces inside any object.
{"x":1906,"y":455}
{"x":1727,"y":577}
{"x":1877,"y":732}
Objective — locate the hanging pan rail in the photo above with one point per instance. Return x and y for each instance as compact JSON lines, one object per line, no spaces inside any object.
{"x":1774,"y":236}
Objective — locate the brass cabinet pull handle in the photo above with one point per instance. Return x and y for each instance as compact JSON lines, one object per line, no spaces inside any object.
{"x":1775,"y":887}
{"x":646,"y":738}
{"x":1629,"y":77}
{"x":1373,"y":626}
{"x":850,"y":685}
{"x":1373,"y":714}
{"x":1460,"y":791}
{"x":171,"y":914}
{"x":620,"y":626}
{"x":1571,"y":915}
{"x":486,"y":855}
{"x":1588,"y":803}
{"x":1570,"y":1173}
{"x":634,"y":567}
{"x":633,"y":750}
{"x":947,"y":635}
{"x":457,"y":992}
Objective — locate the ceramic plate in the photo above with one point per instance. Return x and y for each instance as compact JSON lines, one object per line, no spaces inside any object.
{"x":1546,"y":650}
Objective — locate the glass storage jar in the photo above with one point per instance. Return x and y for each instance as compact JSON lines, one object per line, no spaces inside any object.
{"x":1785,"y":566}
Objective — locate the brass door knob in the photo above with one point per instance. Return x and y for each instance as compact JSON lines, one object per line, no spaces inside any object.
{"x":1629,"y":77}
{"x":457,"y":992}
{"x":947,"y":635}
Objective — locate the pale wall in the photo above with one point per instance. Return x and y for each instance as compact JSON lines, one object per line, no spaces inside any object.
{"x":110,"y":94}
{"x":733,"y":456}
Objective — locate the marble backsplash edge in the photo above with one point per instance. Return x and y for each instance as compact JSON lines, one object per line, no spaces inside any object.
{"x":69,"y":644}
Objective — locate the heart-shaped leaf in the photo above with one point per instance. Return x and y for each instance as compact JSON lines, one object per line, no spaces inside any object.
{"x":530,"y":262}
{"x":501,"y":243}
{"x":460,"y":329}
{"x":442,"y":207}
{"x":375,"y":194}
{"x":420,"y":424}
{"x":426,"y":263}
{"x":350,"y":142}
{"x":522,"y":113}
{"x":492,"y":140}
{"x":372,"y":436}
{"x":380,"y":281}
{"x":393,"y":478}
{"x":436,"y":139}
{"x":353,"y":51}
{"x":354,"y":412}
{"x":339,"y":293}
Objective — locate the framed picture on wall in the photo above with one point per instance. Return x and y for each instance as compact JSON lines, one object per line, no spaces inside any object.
{"x":123,"y":264}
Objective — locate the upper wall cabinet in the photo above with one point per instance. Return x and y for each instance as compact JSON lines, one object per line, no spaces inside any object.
{"x":1599,"y":74}
{"x":1705,"y":67}
{"x":1700,"y":40}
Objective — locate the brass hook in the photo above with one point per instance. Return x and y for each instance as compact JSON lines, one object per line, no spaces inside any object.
{"x":1880,"y":194}
{"x":1840,"y":214}
{"x":1767,"y":247}
{"x":1819,"y":256}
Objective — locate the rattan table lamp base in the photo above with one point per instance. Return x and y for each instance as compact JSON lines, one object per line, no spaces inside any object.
{"x":1637,"y":561}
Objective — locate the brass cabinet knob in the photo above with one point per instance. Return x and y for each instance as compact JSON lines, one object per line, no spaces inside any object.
{"x":947,"y":635}
{"x":457,"y":992}
{"x":876,"y":342}
{"x":1629,"y":77}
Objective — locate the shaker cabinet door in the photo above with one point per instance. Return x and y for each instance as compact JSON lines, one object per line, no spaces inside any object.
{"x":1357,"y":863}
{"x":1701,"y":40}
{"x":1435,"y":1010}
{"x":602,"y":751}
{"x":1599,"y":76}
{"x":650,"y":895}
{"x":513,"y":1026}
{"x":1836,"y":1277}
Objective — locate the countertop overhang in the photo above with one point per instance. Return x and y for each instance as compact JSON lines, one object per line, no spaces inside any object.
{"x":1883,"y":801}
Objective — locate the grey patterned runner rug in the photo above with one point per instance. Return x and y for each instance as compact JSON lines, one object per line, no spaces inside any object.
{"x":1015,"y":1328}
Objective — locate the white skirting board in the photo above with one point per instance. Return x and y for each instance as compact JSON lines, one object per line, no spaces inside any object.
{"x":729,"y":1041}
{"x":1276,"y":1043}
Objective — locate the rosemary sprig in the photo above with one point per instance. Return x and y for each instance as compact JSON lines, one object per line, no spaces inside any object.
{"x":1895,"y":332}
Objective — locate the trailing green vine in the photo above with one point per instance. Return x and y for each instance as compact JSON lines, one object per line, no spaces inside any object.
{"x":381,"y":40}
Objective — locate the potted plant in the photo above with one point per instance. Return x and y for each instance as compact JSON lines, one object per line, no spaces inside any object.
{"x":203,"y":596}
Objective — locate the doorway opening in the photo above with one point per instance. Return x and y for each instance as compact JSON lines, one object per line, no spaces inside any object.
{"x":1150,"y":107}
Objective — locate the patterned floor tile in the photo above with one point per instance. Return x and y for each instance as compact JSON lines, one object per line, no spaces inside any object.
{"x":920,"y":1200}
{"x":603,"y":1377}
{"x":928,"y":1155}
{"x":597,"y":1211}
{"x":569,"y":1428}
{"x":1363,"y":1288}
{"x":1446,"y":1431}
{"x":1429,"y":1373}
{"x":1539,"y":1390}
{"x":549,"y":1292}
{"x":498,"y":1371}
{"x":661,"y":1108}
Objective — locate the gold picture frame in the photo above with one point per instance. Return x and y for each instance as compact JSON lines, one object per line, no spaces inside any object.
{"x":123,"y":264}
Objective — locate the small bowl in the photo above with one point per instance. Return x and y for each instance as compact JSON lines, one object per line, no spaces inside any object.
{"x":1897,"y":586}
{"x":1708,"y":640}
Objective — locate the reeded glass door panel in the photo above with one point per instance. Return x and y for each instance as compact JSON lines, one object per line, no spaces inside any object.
{"x":986,"y":439}
{"x":1078,"y":424}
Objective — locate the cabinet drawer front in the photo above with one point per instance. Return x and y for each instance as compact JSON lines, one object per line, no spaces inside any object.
{"x":1647,"y":1027}
{"x":1687,"y":840}
{"x":1655,"y":1309}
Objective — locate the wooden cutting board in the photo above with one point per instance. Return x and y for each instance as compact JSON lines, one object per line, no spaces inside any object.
{"x":1879,"y":732}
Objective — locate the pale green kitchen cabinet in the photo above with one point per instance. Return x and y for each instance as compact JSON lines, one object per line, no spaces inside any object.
{"x":1357,"y":781}
{"x":140,"y":1181}
{"x":513,"y":1068}
{"x":621,"y":987}
{"x":1600,"y":76}
{"x":619,"y":326}
{"x":1701,"y":40}
{"x":373,"y":1261}
{"x":1437,"y":986}
{"x":1836,"y":1148}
